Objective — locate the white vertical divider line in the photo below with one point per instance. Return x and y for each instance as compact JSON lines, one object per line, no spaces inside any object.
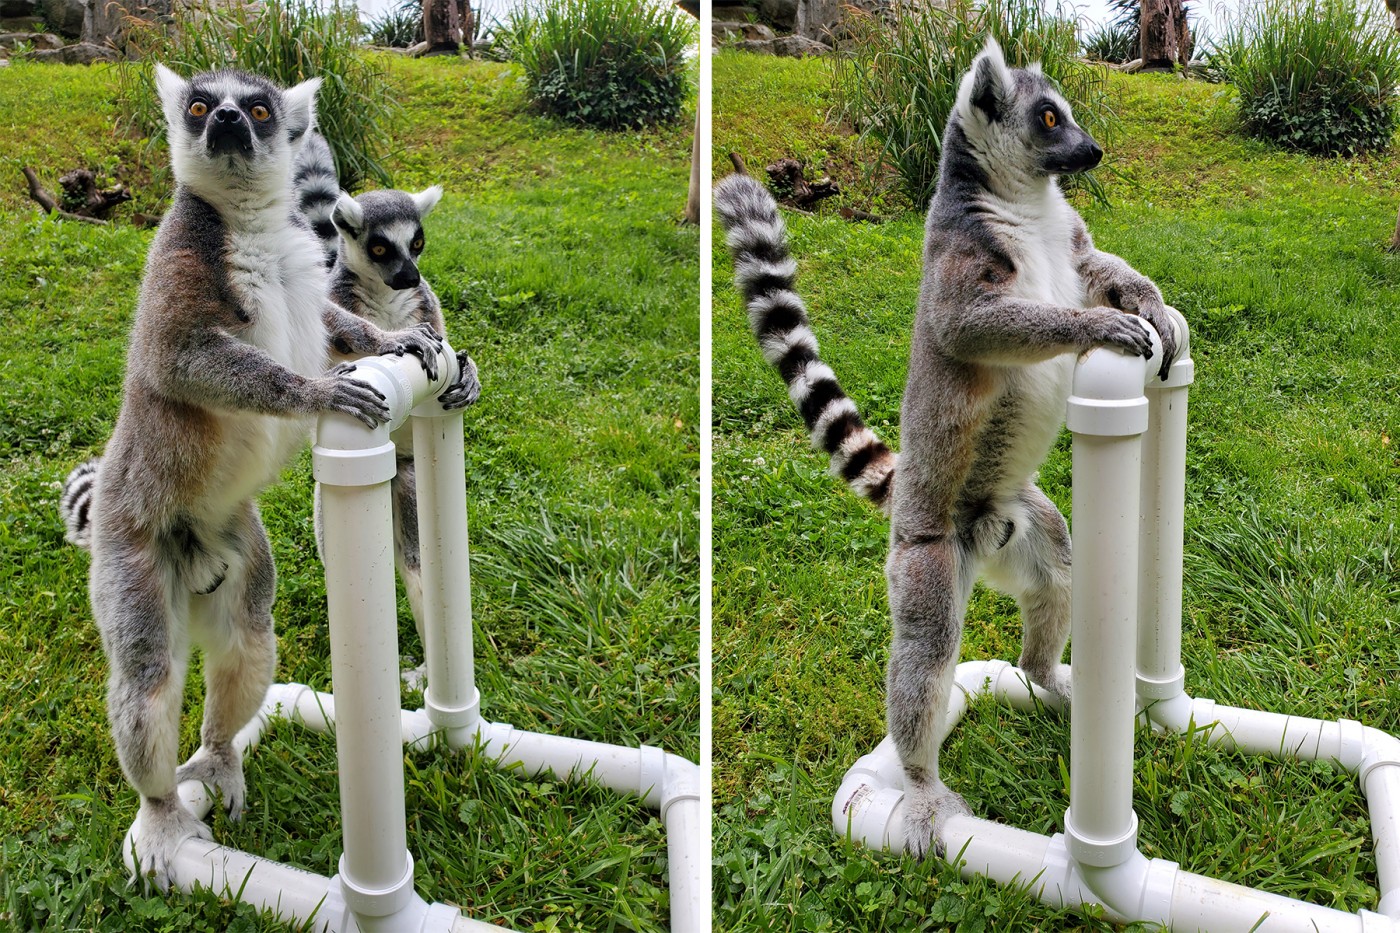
{"x":704,"y":100}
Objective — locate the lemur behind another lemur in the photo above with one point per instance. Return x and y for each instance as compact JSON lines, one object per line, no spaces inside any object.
{"x":1012,"y":291}
{"x":376,"y":277}
{"x":226,"y":368}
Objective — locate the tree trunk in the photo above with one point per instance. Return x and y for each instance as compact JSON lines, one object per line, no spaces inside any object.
{"x":1165,"y":39}
{"x":692,"y":201}
{"x":442,"y":27}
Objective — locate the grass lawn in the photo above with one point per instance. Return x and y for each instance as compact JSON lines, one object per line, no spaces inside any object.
{"x":1292,"y":572}
{"x":562,"y":266}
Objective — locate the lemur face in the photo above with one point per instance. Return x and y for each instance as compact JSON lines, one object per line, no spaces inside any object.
{"x":1015,"y":119}
{"x":382,"y":233}
{"x":233,"y":125}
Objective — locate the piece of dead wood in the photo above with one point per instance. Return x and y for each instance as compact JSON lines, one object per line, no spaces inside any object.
{"x":788,"y":179}
{"x":49,"y":203}
{"x":1128,"y":68}
{"x":82,"y":196}
{"x":738,"y":163}
{"x":145,"y":220}
{"x":855,"y":214}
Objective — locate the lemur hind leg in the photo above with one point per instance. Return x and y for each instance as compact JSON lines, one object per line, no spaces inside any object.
{"x":141,"y":606}
{"x":930,"y":581}
{"x":1034,"y":567}
{"x":407,"y":558}
{"x":234,"y":627}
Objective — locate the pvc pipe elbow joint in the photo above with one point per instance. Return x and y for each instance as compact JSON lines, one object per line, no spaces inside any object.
{"x":1107,"y":398}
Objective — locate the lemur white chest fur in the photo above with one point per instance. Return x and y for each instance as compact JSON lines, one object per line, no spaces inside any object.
{"x":1037,"y":235}
{"x":388,"y":308}
{"x":275,"y":268}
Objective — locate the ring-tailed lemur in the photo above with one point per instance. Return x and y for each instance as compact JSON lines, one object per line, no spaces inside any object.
{"x":1012,"y":290}
{"x":376,"y":276}
{"x":226,"y":366}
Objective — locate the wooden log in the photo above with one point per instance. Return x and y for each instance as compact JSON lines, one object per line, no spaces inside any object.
{"x":41,"y":196}
{"x":442,"y":26}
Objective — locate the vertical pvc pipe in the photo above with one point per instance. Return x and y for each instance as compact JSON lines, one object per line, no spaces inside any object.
{"x":1160,"y":674}
{"x":1107,"y":414}
{"x":451,"y":699}
{"x":354,"y":466}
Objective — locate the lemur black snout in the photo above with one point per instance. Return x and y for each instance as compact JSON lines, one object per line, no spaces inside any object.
{"x":227,"y":114}
{"x":406,"y":277}
{"x":1095,"y":154}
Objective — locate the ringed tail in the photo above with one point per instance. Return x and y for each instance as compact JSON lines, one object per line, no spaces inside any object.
{"x":764,"y":273}
{"x":317,"y":189}
{"x":75,"y":503}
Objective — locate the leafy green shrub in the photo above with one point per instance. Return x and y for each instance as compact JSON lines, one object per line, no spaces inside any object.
{"x":899,"y":82}
{"x":287,"y":41}
{"x":1111,"y":42}
{"x":398,"y":27}
{"x":605,"y":63}
{"x":1316,"y":75}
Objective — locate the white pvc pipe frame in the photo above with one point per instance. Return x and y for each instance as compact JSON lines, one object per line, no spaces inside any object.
{"x":373,"y":890}
{"x":1129,"y":494}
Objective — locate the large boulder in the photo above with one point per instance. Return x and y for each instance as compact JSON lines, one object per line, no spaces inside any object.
{"x":737,"y":32}
{"x":38,"y":40}
{"x":81,"y":53}
{"x":65,"y":17}
{"x":789,"y":46}
{"x":780,"y":14}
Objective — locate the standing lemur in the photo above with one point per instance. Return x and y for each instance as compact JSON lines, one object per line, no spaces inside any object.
{"x":376,"y":276}
{"x":1012,"y":291}
{"x":226,"y":367}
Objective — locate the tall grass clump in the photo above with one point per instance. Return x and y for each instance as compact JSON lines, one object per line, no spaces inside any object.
{"x":1111,"y":42}
{"x":286,"y":41}
{"x":899,"y":81}
{"x":611,"y":64}
{"x":397,"y":27}
{"x":1315,"y":75}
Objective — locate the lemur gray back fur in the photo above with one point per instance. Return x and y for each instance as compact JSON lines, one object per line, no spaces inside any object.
{"x":226,"y":366}
{"x":318,"y":187}
{"x":1012,"y":291}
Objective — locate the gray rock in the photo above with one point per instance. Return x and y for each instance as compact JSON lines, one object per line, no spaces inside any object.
{"x":736,"y":32}
{"x":65,"y":17}
{"x":10,"y":8}
{"x":21,"y":23}
{"x":81,"y":53}
{"x":39,"y":40}
{"x":789,"y":46}
{"x":780,"y":14}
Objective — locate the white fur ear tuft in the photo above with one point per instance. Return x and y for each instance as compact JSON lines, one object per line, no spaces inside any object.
{"x":988,"y":85}
{"x":172,"y":90}
{"x":426,"y":200}
{"x":1034,"y":68}
{"x":301,"y":107}
{"x":348,"y":215}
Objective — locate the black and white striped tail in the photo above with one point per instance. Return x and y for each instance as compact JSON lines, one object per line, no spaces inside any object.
{"x":318,"y":187}
{"x":75,"y":504}
{"x":764,"y":273}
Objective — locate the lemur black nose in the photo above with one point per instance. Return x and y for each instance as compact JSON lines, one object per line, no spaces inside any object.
{"x":1095,"y":153}
{"x":227,"y":114}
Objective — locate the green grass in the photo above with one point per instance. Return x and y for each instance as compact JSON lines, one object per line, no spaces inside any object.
{"x":582,"y":464}
{"x":1293,"y":479}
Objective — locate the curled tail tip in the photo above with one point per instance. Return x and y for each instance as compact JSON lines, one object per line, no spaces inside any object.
{"x":740,"y":198}
{"x":75,"y":504}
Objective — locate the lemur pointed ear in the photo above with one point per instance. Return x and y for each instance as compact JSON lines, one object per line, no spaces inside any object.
{"x":301,"y":107}
{"x":172,"y":90}
{"x":348,"y":215}
{"x":989,"y":85}
{"x":426,"y":200}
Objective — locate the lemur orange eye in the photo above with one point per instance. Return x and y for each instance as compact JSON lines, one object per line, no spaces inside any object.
{"x":199,"y":108}
{"x":377,"y":251}
{"x":417,"y":244}
{"x":260,"y":113}
{"x":1048,"y":118}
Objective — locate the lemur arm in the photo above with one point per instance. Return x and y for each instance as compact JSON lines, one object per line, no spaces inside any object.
{"x":979,"y":322}
{"x":350,"y":333}
{"x":212,"y":369}
{"x":1108,"y":280}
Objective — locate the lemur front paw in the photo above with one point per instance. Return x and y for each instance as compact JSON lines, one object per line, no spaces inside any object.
{"x":1156,"y":315}
{"x":352,"y":397}
{"x":160,"y":829}
{"x":423,"y":342}
{"x":217,"y":768}
{"x":926,"y":813}
{"x":1113,"y":328}
{"x":467,"y":389}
